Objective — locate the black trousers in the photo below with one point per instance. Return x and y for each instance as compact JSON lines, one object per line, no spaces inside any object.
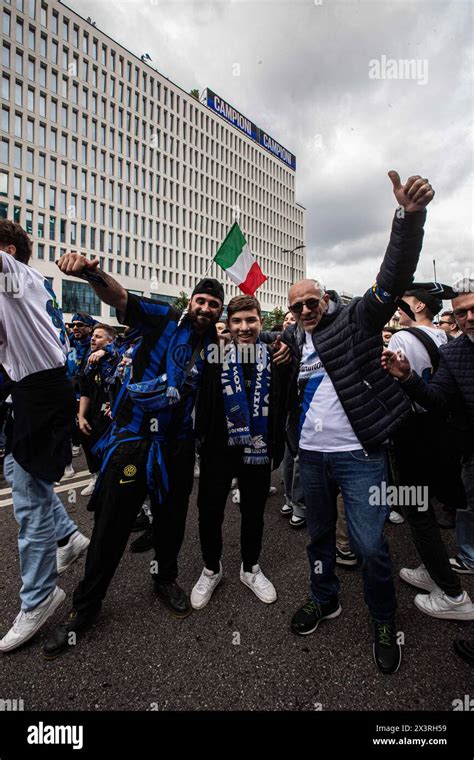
{"x":88,"y":442}
{"x":418,"y":465}
{"x":218,"y":467}
{"x":121,"y":494}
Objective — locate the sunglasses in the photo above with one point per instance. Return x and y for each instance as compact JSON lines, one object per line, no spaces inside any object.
{"x":445,"y":322}
{"x":311,"y":304}
{"x":78,"y":324}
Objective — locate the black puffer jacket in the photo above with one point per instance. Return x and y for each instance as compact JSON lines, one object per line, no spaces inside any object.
{"x":349,"y":341}
{"x":452,"y":387}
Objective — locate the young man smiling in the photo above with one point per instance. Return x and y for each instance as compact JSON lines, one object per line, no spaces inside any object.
{"x":240,"y":423}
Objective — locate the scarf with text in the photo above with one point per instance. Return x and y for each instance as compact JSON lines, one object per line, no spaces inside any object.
{"x":247,"y":424}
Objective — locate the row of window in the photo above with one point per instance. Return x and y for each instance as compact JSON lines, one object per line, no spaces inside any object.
{"x":211,"y":219}
{"x":160,"y":188}
{"x":91,"y":239}
{"x":69,"y":119}
{"x":134,"y":99}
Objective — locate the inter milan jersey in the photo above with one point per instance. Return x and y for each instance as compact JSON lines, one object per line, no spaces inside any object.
{"x":32,"y":333}
{"x":156,"y":321}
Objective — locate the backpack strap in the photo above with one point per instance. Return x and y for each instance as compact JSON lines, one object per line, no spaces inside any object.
{"x":429,"y":344}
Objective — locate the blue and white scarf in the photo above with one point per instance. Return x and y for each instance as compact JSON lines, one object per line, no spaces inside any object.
{"x":166,"y":390}
{"x":247,"y":427}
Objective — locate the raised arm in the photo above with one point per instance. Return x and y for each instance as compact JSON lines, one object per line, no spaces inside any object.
{"x":401,"y":258}
{"x":113,"y":294}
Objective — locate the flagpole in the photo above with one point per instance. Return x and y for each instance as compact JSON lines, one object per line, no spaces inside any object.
{"x":208,"y":269}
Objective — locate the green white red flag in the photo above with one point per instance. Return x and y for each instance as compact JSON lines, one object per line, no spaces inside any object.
{"x":236,"y":258}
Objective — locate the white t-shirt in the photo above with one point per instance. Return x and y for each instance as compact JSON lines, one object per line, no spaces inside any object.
{"x":324,"y":424}
{"x":414,"y":349}
{"x":32,"y":332}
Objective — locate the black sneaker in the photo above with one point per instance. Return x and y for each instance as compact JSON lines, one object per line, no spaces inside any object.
{"x":309,"y":616}
{"x":387,"y":651}
{"x":459,"y":566}
{"x":297,"y":522}
{"x":59,"y":640}
{"x":141,"y":523}
{"x":464,"y":649}
{"x":346,"y":558}
{"x":174,"y":597}
{"x":143,"y":543}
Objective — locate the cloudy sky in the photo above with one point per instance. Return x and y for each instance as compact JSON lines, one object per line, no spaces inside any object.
{"x":305,"y":76}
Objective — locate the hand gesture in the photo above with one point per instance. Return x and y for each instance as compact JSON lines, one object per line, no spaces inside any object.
{"x":74,"y":264}
{"x":415,"y":194}
{"x":396,"y":364}
{"x":282,"y":353}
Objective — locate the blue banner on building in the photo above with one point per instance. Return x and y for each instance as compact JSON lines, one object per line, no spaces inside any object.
{"x":234,"y":117}
{"x":231,"y":115}
{"x":278,"y":150}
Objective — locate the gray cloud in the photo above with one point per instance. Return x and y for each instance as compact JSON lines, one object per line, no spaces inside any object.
{"x":304,"y":77}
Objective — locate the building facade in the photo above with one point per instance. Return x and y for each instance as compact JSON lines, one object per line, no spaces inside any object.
{"x":103,"y":155}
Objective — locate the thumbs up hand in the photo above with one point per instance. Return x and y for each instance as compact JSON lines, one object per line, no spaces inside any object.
{"x":415,"y":194}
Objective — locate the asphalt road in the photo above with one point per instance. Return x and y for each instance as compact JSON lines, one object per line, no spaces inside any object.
{"x":237,"y":653}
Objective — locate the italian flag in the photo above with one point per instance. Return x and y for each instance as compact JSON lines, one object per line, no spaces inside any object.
{"x":235,"y":256}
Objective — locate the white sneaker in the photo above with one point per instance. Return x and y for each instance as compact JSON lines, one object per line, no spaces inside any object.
{"x":272,"y":491}
{"x":396,"y":518}
{"x":236,"y":496}
{"x":204,"y":588}
{"x":438,"y":605}
{"x":26,"y":624}
{"x":260,"y":585}
{"x":89,"y":489}
{"x":418,"y":577}
{"x":76,"y":450}
{"x":75,"y":547}
{"x":69,"y":472}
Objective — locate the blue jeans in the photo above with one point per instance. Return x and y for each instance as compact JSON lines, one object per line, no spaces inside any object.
{"x":43,"y":522}
{"x":291,"y":477}
{"x":465,"y":517}
{"x":353,"y":472}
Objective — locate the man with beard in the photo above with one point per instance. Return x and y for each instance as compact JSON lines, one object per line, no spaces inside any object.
{"x":150,"y":447}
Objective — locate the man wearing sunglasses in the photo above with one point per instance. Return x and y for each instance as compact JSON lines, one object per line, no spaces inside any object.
{"x":347,"y":410}
{"x":448,"y":324}
{"x":451,"y":389}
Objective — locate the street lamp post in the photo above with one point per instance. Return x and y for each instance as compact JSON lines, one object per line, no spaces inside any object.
{"x":292,"y":251}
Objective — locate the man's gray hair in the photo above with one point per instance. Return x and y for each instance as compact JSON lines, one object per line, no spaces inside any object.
{"x":320,"y":287}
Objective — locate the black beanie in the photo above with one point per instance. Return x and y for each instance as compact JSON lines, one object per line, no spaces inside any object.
{"x":210,"y":287}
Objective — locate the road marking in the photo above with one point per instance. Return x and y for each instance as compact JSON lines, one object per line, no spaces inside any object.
{"x":81,"y":474}
{"x":69,"y":485}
